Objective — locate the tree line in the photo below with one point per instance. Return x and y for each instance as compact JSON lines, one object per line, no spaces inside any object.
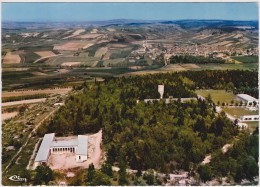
{"x":189,"y":59}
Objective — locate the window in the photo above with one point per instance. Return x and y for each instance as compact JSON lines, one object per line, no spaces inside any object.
{"x":79,"y":158}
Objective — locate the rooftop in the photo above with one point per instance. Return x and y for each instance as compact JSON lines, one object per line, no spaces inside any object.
{"x":49,"y":142}
{"x":64,"y":143}
{"x":43,"y":152}
{"x":82,"y":145}
{"x":247,"y":97}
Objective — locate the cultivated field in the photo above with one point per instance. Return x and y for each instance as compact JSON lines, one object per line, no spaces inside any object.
{"x":70,"y":46}
{"x":101,"y":51}
{"x":76,"y":33}
{"x":33,"y":92}
{"x":45,"y":53}
{"x":8,"y":115}
{"x":94,"y":31}
{"x":173,"y":67}
{"x":246,"y":59}
{"x":70,"y":64}
{"x":89,"y":36}
{"x":23,"y":102}
{"x":12,"y":58}
{"x":190,"y":66}
{"x":39,"y":73}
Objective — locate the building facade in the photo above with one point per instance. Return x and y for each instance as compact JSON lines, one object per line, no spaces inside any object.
{"x":51,"y":145}
{"x":248,"y":100}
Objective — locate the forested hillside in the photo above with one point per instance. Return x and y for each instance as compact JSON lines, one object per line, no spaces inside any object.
{"x":154,"y":135}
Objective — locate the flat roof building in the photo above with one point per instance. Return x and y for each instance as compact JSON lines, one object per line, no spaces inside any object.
{"x":51,"y":145}
{"x":249,"y":100}
{"x":44,"y":150}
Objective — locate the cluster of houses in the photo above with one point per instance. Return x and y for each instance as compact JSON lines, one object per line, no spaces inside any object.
{"x":153,"y":50}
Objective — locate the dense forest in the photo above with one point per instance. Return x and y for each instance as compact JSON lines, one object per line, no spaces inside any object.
{"x":188,"y":59}
{"x":154,"y":135}
{"x":239,"y":162}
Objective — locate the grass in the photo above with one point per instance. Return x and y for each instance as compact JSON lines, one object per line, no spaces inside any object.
{"x":252,"y":125}
{"x":218,"y":95}
{"x":30,"y":57}
{"x":237,"y":111}
{"x":242,"y":66}
{"x":246,"y":59}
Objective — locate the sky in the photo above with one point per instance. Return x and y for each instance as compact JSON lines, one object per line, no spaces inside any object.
{"x":67,"y":12}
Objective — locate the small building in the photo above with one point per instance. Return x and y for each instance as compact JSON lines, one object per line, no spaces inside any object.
{"x":51,"y":145}
{"x":247,"y":99}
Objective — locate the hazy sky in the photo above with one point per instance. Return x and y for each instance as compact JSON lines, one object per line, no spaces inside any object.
{"x":142,"y":11}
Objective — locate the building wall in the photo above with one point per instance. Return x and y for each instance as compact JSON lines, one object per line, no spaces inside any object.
{"x":249,"y":118}
{"x":81,"y":158}
{"x":62,"y":149}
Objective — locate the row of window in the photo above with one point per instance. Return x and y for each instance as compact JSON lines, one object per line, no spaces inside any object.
{"x":251,"y":118}
{"x":63,"y":149}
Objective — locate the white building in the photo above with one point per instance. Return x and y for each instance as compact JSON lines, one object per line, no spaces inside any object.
{"x":50,"y":145}
{"x":249,"y":118}
{"x":249,"y":100}
{"x":161,"y":90}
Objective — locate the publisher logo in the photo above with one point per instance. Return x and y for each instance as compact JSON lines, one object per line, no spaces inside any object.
{"x":17,"y":178}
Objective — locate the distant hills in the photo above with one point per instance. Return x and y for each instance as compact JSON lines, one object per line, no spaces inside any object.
{"x":185,"y":24}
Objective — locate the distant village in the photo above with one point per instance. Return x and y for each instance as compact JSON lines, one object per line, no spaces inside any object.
{"x":215,"y":51}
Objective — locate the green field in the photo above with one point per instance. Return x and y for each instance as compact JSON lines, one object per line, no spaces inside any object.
{"x":246,"y":59}
{"x":237,"y":111}
{"x":218,"y":95}
{"x":242,"y":66}
{"x":252,"y":125}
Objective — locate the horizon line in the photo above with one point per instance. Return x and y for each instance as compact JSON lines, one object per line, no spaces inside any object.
{"x":119,"y":19}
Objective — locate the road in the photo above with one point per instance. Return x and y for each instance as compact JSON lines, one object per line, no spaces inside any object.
{"x":30,"y":135}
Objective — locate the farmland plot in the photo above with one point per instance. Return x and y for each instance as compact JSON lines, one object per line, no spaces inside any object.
{"x":12,"y":58}
{"x":70,"y":46}
{"x":101,"y":51}
{"x":45,"y":53}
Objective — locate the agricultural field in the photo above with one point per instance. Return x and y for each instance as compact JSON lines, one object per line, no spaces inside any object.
{"x":45,"y":53}
{"x":70,"y":46}
{"x":34,"y":92}
{"x":12,"y":58}
{"x":246,"y":59}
